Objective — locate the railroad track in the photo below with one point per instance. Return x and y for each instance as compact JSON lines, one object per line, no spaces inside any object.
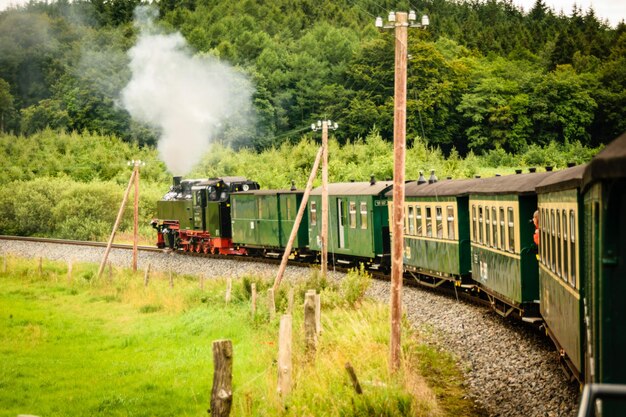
{"x":408,"y":279}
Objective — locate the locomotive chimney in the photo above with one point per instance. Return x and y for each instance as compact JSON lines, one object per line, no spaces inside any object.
{"x":549,"y":168}
{"x":433,"y":178}
{"x":176,"y":181}
{"x":293,"y":185}
{"x":372,"y":179}
{"x":518,"y":171}
{"x":532,"y":170}
{"x":421,"y":179}
{"x":571,"y":164}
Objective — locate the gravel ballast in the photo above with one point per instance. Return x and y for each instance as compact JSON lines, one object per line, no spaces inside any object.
{"x":511,"y":369}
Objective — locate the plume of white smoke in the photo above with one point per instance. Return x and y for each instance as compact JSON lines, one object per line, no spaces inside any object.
{"x":189,"y":99}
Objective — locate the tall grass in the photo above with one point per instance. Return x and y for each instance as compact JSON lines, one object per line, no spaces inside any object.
{"x":118,"y":348}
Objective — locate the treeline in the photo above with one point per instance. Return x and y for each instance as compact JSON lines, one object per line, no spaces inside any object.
{"x":484,"y":75}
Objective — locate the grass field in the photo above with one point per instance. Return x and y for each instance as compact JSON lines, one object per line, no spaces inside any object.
{"x":85,"y":348}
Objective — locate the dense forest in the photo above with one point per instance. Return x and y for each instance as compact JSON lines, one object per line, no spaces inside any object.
{"x":484,"y":76}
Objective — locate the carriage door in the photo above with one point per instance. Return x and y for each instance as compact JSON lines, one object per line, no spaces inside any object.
{"x":340,"y":221}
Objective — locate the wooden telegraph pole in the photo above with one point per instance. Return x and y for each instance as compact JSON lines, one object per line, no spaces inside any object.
{"x":399,"y":152}
{"x":324,"y":260}
{"x":136,"y":214}
{"x":400,"y":22}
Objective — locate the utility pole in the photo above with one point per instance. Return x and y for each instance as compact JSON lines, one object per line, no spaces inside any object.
{"x":325,"y":125}
{"x":399,"y":22}
{"x":136,"y":165}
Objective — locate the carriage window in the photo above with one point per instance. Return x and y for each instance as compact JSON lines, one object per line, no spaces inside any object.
{"x":542,"y":235}
{"x":565,"y":246}
{"x":429,"y":222}
{"x":487,"y":227}
{"x":494,"y":227}
{"x":419,"y":220}
{"x":363,"y":215}
{"x":572,"y":240}
{"x":411,"y":220}
{"x":558,"y":243}
{"x":288,"y":202}
{"x":450,"y":213}
{"x":546,"y":217}
{"x":480,"y":224}
{"x":474,"y":223}
{"x":502,"y":229}
{"x":313,"y":213}
{"x":511,"y":230}
{"x":352,"y":206}
{"x":552,"y":241}
{"x":439,"y":214}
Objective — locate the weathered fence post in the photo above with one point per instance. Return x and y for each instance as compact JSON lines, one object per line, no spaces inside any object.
{"x":290,"y":301}
{"x":310,"y":333}
{"x":146,"y":276}
{"x":40,"y":270}
{"x":222,"y":392}
{"x":318,"y":314}
{"x":271,"y":303}
{"x":253,"y":298}
{"x":229,"y":288}
{"x":284,"y":355}
{"x":353,"y":378}
{"x":69,"y":271}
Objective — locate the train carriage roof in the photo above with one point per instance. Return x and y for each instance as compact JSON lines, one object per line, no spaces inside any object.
{"x":566,"y":179}
{"x":355,"y":188}
{"x":443,"y":188}
{"x":610,"y":163}
{"x":509,"y":184}
{"x":268,"y":192}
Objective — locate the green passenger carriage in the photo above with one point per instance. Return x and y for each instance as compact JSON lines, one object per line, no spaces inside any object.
{"x":263,"y":219}
{"x":504,"y":264}
{"x":358,"y":228}
{"x":604,"y":249}
{"x":560,"y":208}
{"x":436,"y":231}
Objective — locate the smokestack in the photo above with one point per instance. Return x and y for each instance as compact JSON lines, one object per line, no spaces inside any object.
{"x":293,"y":185}
{"x":176,"y":181}
{"x":372,"y":179}
{"x":518,"y":171}
{"x":476,"y":176}
{"x":433,"y":178}
{"x":532,"y":170}
{"x":421,"y":179}
{"x":549,"y":168}
{"x":571,"y":164}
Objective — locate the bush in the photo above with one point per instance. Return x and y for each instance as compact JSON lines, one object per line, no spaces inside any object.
{"x":355,"y":284}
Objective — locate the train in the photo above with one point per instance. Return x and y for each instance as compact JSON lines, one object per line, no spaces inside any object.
{"x":545,"y":247}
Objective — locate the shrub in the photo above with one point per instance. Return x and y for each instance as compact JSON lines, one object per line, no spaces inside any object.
{"x":355,"y":284}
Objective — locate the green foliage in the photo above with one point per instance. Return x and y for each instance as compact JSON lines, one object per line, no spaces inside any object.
{"x":355,"y":284}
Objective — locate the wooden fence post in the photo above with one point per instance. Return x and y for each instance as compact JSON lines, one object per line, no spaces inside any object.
{"x":284,"y":355}
{"x":318,"y":314}
{"x":271,"y":303}
{"x":229,"y":288}
{"x":290,"y":301}
{"x":310,"y":333}
{"x":253,"y":298}
{"x":146,"y":276}
{"x":222,"y":392}
{"x":353,"y":378}
{"x":69,"y":271}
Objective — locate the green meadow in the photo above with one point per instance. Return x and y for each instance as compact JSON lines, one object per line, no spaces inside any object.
{"x":115,"y":347}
